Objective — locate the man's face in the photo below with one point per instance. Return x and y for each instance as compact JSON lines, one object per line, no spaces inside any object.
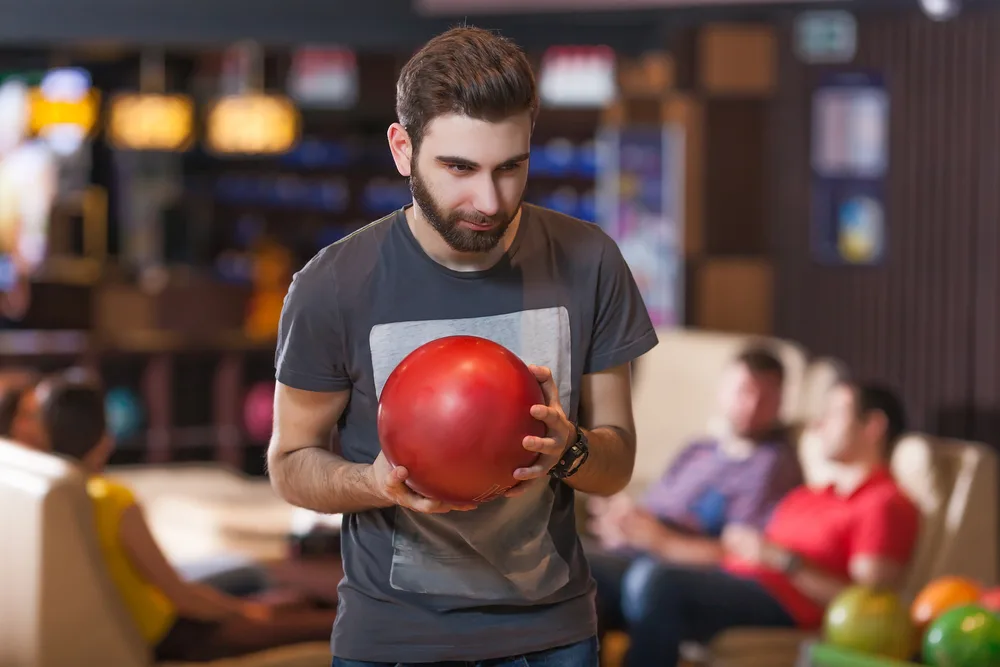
{"x":751,"y":402}
{"x":468,"y":178}
{"x":840,"y":430}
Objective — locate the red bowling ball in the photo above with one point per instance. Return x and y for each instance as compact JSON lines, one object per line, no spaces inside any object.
{"x":455,"y":413}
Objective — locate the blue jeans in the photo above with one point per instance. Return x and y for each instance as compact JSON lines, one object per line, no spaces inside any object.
{"x":581,"y":654}
{"x":660,"y":606}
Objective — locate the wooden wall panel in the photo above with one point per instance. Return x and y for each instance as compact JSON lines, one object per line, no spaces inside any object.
{"x":735,"y":295}
{"x":926,"y":319}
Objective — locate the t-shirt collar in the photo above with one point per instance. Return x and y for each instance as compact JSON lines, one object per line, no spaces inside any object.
{"x":853,"y":482}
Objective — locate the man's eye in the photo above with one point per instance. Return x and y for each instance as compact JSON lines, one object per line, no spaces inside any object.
{"x":459,"y":168}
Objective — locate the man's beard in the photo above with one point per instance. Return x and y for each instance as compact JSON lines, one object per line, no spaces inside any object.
{"x":461,"y":239}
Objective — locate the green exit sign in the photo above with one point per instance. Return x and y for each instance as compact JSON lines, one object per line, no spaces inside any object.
{"x":826,"y":37}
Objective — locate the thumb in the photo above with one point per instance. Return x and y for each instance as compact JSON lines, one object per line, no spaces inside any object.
{"x":541,"y":373}
{"x":397,"y":476}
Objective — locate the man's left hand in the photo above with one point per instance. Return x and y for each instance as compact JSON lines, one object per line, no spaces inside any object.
{"x":750,"y":546}
{"x":558,"y":436}
{"x":644,"y":532}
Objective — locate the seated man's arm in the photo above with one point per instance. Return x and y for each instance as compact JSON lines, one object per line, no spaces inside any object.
{"x":881,"y":547}
{"x":763,"y":487}
{"x":753,"y":506}
{"x":624,"y":524}
{"x":684,"y":549}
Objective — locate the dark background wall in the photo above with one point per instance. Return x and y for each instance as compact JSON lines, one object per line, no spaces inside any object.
{"x":926,"y":320}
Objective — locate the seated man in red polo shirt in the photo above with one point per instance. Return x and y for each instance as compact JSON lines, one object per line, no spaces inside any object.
{"x":861,"y":529}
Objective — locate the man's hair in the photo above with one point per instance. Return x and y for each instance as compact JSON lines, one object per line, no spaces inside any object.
{"x":872,"y":397}
{"x":73,"y":415}
{"x":467,"y":71}
{"x":760,"y":360}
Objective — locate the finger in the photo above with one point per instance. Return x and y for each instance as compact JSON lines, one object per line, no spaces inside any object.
{"x":419,"y":503}
{"x":551,"y":417}
{"x":541,"y":468}
{"x":517,"y":490}
{"x":461,"y":507}
{"x":597,"y":505}
{"x":541,"y":373}
{"x":548,"y":383}
{"x":425,"y":505}
{"x":542,"y":445}
{"x":397,"y":477}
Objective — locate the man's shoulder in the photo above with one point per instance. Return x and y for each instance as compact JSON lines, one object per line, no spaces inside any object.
{"x":566,"y":230}
{"x":778,"y":448}
{"x":349,"y":257}
{"x":695,"y":450}
{"x":104,"y":489}
{"x":885,"y":492}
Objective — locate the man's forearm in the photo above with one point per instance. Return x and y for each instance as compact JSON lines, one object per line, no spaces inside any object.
{"x":689,"y":549}
{"x":316,"y":479}
{"x":608,"y":469}
{"x":814,"y":582}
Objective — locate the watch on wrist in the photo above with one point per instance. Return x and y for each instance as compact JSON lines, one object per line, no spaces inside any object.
{"x":573,"y":458}
{"x":790,"y":562}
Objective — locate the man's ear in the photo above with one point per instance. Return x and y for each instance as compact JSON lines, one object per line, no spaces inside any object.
{"x":401,"y":148}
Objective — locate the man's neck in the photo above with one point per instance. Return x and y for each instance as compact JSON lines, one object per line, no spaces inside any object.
{"x":737,"y":446}
{"x":439,"y":250}
{"x":850,"y":476}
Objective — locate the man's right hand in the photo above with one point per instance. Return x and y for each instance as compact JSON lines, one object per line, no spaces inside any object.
{"x":607,"y":517}
{"x":389,"y":483}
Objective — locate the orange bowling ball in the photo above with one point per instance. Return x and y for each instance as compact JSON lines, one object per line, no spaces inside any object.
{"x":940,"y":595}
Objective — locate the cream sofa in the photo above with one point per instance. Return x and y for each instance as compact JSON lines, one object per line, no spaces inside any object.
{"x":58,"y":604}
{"x":954,"y":484}
{"x":676,"y":388}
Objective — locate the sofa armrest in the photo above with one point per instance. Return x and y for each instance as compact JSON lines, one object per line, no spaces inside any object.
{"x":755,"y":647}
{"x":312,"y":654}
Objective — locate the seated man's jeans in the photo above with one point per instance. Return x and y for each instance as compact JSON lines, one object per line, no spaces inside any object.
{"x":660,"y":606}
{"x":581,"y":654}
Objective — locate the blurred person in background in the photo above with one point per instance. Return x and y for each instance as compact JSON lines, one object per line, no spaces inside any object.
{"x":19,"y":417}
{"x":21,"y":422}
{"x":858,"y":529}
{"x":736,"y":478}
{"x":181,"y":620}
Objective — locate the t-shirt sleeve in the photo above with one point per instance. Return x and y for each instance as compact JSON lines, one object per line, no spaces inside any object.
{"x":623,"y":330}
{"x":888,"y":529}
{"x":764,"y":489}
{"x":311,"y":350}
{"x":121,"y":495}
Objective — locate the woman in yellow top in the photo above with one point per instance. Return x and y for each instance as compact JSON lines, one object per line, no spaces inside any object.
{"x":181,"y":620}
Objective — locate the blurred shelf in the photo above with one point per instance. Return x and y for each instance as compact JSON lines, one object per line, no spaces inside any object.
{"x":43,"y":343}
{"x":69,"y":271}
{"x":159,"y":342}
{"x":40,"y":343}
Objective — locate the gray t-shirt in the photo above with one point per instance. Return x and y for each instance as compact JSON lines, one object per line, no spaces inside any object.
{"x":510,"y":576}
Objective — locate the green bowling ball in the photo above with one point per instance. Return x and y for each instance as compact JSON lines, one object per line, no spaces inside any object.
{"x":870,"y":621}
{"x":966,"y":636}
